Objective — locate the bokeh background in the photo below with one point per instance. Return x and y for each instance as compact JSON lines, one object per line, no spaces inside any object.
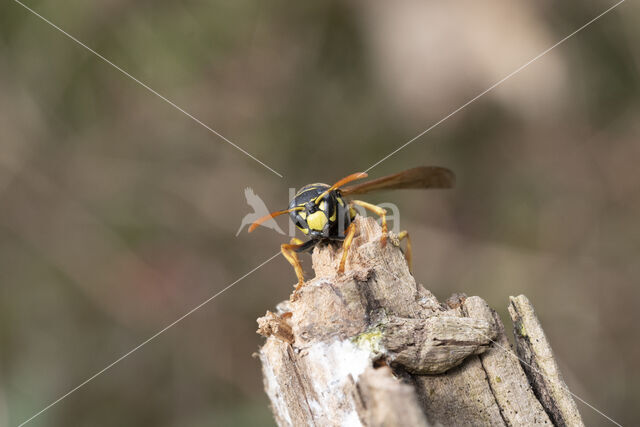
{"x":118,"y":213}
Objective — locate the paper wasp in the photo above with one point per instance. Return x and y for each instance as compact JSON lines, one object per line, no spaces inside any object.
{"x":321,"y":213}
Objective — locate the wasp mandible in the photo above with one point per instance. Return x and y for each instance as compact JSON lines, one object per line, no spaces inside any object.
{"x":321,"y":212}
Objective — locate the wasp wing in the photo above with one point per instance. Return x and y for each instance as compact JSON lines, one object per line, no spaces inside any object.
{"x":420,"y":177}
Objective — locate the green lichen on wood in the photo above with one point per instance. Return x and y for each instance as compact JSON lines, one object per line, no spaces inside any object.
{"x":370,"y":340}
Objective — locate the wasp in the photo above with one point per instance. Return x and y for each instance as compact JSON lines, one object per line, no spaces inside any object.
{"x":321,"y":212}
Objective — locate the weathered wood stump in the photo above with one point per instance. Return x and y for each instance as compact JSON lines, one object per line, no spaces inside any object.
{"x":371,"y":347}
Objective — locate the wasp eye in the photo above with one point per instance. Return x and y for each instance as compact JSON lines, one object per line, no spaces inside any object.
{"x":300,"y":219}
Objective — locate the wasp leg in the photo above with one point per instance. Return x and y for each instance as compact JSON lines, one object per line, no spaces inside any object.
{"x":378,"y":211}
{"x":407,"y":253}
{"x":351,"y":231}
{"x":289,"y":251}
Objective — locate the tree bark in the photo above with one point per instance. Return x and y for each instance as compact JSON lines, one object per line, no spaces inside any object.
{"x":371,"y":347}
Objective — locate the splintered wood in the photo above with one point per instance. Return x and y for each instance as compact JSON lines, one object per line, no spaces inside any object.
{"x":370,"y":347}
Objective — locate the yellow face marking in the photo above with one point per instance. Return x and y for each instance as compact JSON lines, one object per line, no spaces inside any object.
{"x":335,"y":212}
{"x":352,"y":212}
{"x":303,"y":214}
{"x":323,"y":205}
{"x":317,"y":221}
{"x":304,"y":230}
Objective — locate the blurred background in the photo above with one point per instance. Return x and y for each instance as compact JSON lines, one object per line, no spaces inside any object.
{"x":118,"y":213}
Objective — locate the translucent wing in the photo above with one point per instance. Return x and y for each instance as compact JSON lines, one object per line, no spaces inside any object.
{"x":420,"y":177}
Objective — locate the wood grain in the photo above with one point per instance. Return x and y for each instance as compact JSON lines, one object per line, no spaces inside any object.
{"x":372,"y":347}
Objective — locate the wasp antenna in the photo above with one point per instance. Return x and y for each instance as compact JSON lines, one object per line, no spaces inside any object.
{"x":259,"y":221}
{"x":343,"y":181}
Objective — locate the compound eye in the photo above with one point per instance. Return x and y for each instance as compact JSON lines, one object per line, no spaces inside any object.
{"x":302,"y":226}
{"x":301,"y":218}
